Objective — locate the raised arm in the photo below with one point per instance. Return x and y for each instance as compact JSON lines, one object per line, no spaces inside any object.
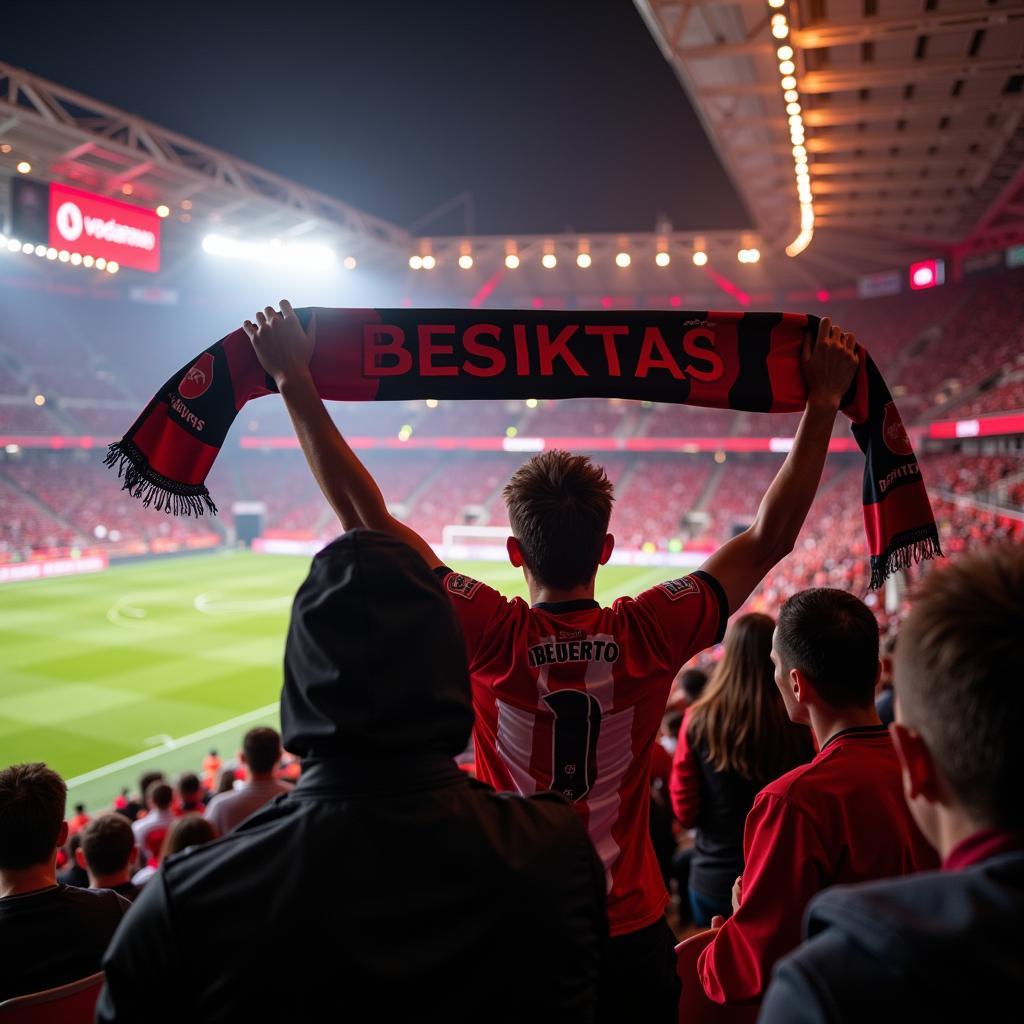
{"x":740,"y":564}
{"x":284,"y":350}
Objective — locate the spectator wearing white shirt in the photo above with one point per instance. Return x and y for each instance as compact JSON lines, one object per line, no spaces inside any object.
{"x":261,"y":751}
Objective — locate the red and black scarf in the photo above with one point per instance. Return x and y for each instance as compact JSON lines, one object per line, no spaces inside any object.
{"x":749,"y":361}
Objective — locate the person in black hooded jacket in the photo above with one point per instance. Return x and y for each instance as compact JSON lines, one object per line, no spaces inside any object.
{"x":942,"y":945}
{"x":504,"y":916}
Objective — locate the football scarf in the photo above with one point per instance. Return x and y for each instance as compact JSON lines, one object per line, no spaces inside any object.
{"x":722,"y":360}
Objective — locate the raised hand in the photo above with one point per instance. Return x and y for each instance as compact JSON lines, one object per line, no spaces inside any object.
{"x":283,"y":348}
{"x":830,"y":363}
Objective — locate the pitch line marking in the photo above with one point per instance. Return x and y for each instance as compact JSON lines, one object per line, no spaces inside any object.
{"x":171,"y":744}
{"x":122,"y":609}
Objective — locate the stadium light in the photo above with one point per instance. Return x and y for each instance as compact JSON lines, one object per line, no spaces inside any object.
{"x":583,"y":260}
{"x":76,"y":259}
{"x":793,"y":108}
{"x":405,"y":432}
{"x":24,"y":167}
{"x":789,"y":82}
{"x":39,"y":250}
{"x":662,"y":258}
{"x":531,"y":403}
{"x":51,"y":253}
{"x":273,"y":253}
{"x":88,"y":261}
{"x":776,"y":3}
{"x":700,"y":258}
{"x":784,"y":53}
{"x":26,"y":248}
{"x":113,"y":267}
{"x":791,"y":95}
{"x":101,"y":263}
{"x":787,"y":67}
{"x":549,"y":261}
{"x":13,"y":245}
{"x":431,"y":403}
{"x":349,"y":263}
{"x":511,"y":261}
{"x":622,"y":259}
{"x":780,"y":27}
{"x":466,"y":261}
{"x":415,"y":262}
{"x":429,"y":262}
{"x":40,"y":400}
{"x":64,"y":256}
{"x":163,"y":210}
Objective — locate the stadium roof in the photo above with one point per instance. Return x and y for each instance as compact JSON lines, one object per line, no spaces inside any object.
{"x":71,"y":138}
{"x":911,"y":110}
{"x":913,"y":146}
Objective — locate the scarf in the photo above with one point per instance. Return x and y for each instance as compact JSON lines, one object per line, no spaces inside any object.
{"x":722,"y":360}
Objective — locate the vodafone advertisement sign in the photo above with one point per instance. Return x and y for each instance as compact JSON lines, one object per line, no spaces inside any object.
{"x":96,"y":226}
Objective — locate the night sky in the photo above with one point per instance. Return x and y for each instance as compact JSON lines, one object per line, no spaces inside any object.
{"x":555,"y":114}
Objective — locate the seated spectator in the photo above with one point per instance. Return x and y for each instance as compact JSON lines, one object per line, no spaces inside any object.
{"x":884,"y":690}
{"x":107,"y":852}
{"x":79,"y":821}
{"x":261,"y":750}
{"x":211,"y":768}
{"x":71,"y":872}
{"x":691,"y":684}
{"x":840,"y":818}
{"x":188,"y":830}
{"x":190,"y":794}
{"x":151,"y":828}
{"x":376,"y":700}
{"x":942,"y":945}
{"x":136,"y":806}
{"x":50,"y":933}
{"x":734,"y":740}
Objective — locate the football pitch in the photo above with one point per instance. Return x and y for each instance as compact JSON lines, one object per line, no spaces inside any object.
{"x":151,"y":664}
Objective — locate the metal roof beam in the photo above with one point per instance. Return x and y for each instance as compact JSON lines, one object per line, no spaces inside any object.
{"x":870,"y":111}
{"x":869,"y":75}
{"x":873,"y":29}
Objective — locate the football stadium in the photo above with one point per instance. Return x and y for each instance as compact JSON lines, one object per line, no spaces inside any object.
{"x":405,"y":468}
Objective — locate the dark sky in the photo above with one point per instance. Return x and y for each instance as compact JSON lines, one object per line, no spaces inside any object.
{"x":555,"y":114}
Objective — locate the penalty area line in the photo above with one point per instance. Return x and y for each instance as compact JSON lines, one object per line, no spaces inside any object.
{"x":171,"y":744}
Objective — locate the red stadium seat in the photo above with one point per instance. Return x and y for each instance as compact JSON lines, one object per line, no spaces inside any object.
{"x":694,"y":1006}
{"x":74,"y":1003}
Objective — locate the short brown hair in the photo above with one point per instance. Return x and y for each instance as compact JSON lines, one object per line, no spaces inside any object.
{"x":262,"y":747}
{"x":958,"y":681}
{"x":559,"y":506}
{"x":107,"y":843}
{"x":32,"y":799}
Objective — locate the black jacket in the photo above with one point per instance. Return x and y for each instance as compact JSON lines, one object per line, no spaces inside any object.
{"x":937,"y":946}
{"x":387,"y":884}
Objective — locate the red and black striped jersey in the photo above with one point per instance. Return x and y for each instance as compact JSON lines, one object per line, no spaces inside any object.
{"x":570,"y":696}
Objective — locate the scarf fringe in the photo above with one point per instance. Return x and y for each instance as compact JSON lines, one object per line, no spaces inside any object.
{"x":160,"y":492}
{"x":905,"y":550}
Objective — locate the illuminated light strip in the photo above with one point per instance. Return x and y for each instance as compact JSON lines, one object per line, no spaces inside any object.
{"x":779,"y":27}
{"x":76,"y":259}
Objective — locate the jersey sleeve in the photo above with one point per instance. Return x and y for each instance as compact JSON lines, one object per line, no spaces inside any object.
{"x":475,"y":605}
{"x":684,"y":615}
{"x":784,"y":866}
{"x":684,"y":784}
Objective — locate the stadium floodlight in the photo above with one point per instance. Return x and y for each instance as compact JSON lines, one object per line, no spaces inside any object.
{"x":511,"y":261}
{"x":87,"y":261}
{"x":793,"y":108}
{"x":700,"y":258}
{"x":791,"y":95}
{"x":780,"y":27}
{"x":583,"y":260}
{"x":787,"y":67}
{"x":276,"y":253}
{"x":64,"y":256}
{"x":549,"y":261}
{"x":776,"y":3}
{"x":40,"y":250}
{"x":101,"y":263}
{"x":431,"y":403}
{"x":40,"y":400}
{"x":349,"y":263}
{"x":415,"y":262}
{"x":662,"y":258}
{"x":13,"y":245}
{"x":24,"y":167}
{"x":163,"y":210}
{"x":789,"y":82}
{"x":784,"y":53}
{"x":622,"y":259}
{"x":27,"y":248}
{"x":531,"y":403}
{"x":12,"y":449}
{"x":51,"y":253}
{"x":76,"y":259}
{"x":113,"y":267}
{"x":429,"y":262}
{"x":511,"y":431}
{"x":466,"y":261}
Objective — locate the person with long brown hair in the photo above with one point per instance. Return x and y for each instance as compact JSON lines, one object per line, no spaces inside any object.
{"x":733,"y":741}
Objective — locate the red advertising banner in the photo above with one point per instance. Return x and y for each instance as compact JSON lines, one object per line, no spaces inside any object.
{"x":984,"y":426}
{"x":97,"y":226}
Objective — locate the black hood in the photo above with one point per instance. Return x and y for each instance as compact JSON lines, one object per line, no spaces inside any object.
{"x":375,"y":662}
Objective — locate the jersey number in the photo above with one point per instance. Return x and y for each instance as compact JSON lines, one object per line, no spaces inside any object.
{"x":574,"y":746}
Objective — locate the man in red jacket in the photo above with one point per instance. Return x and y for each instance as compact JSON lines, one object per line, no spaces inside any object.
{"x":840,"y":818}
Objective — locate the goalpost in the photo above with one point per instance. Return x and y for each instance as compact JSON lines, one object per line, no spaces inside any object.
{"x":487,"y":544}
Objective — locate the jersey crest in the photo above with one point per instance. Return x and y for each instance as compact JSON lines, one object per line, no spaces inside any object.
{"x":461,"y":585}
{"x":675,"y":589}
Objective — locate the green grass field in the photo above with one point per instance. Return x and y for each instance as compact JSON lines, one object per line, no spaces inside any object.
{"x":151,"y":664}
